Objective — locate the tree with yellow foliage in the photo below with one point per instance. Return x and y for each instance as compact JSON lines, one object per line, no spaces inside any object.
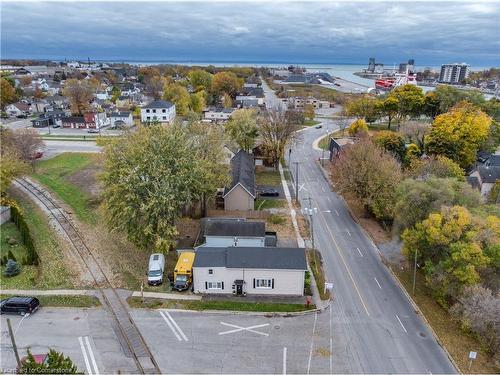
{"x":459,"y":133}
{"x":358,"y":128}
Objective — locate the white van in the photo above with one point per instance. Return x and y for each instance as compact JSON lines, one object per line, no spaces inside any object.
{"x":156,"y":268}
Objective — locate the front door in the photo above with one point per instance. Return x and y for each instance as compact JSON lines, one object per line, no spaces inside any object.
{"x":239,"y":290}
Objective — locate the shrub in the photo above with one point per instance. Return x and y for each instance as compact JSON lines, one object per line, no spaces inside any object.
{"x":11,"y":241}
{"x":358,"y":128}
{"x":10,"y":255}
{"x":12,"y":269}
{"x":275,"y":219}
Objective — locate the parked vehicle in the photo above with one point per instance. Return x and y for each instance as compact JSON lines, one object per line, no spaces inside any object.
{"x":319,"y":126}
{"x":19,"y":305}
{"x":36,"y":155}
{"x":92,"y":130}
{"x":269,"y":193}
{"x":183,"y":272}
{"x":156,"y":268}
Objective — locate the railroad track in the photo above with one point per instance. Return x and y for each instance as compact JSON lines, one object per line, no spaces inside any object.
{"x":126,"y":327}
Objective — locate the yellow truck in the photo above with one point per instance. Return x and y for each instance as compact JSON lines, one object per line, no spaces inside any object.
{"x":183,"y":272}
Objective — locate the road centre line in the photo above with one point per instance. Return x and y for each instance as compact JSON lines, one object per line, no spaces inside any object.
{"x":359,"y":251}
{"x":377,"y":283}
{"x":400,"y":322}
{"x":345,"y":264}
{"x":85,"y":357}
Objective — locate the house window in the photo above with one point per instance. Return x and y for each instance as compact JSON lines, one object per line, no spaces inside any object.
{"x":264,"y":283}
{"x":148,"y":118}
{"x":164,"y":117}
{"x":210,"y":271}
{"x":147,"y":110}
{"x":154,"y":110}
{"x":164,"y":110}
{"x":215,"y":285}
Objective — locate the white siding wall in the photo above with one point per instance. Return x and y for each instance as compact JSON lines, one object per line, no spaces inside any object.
{"x":158,"y":114}
{"x":223,"y":241}
{"x":286,"y":282}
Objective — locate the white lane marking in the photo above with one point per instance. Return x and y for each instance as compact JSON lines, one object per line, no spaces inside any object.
{"x":328,"y":199}
{"x":91,"y":353}
{"x":337,"y":247}
{"x":323,"y":189}
{"x":238,"y":329}
{"x":312,"y":344}
{"x":400,"y":322}
{"x":360,"y":253}
{"x":337,"y":213}
{"x":327,"y":211}
{"x":284,"y":360}
{"x":86,"y":359}
{"x":170,"y":326}
{"x":377,"y":283}
{"x":349,"y":233}
{"x":302,"y":187}
{"x":176,"y":326}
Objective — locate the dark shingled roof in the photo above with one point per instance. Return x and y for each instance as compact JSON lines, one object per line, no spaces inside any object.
{"x":221,"y":227}
{"x":489,"y":174}
{"x":159,"y":104}
{"x":493,"y":161}
{"x":243,"y":171}
{"x":251,"y":257}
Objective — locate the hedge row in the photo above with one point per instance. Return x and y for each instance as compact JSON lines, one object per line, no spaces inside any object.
{"x":18,"y":219}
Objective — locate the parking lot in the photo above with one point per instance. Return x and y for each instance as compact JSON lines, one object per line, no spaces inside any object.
{"x":85,"y":335}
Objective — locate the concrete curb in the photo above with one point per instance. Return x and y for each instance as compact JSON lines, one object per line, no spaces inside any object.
{"x":167,"y":296}
{"x":412,"y":302}
{"x":54,"y":292}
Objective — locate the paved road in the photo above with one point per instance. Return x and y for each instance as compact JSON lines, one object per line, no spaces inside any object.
{"x":373,"y":318}
{"x":54,"y":147}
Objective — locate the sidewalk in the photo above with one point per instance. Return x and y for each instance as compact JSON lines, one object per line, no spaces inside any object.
{"x":52,"y":292}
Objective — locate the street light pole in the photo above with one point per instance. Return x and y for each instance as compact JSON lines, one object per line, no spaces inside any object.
{"x":14,"y":346}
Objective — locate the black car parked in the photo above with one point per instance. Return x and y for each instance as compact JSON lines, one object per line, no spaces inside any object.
{"x":269,"y":193}
{"x":19,"y":305}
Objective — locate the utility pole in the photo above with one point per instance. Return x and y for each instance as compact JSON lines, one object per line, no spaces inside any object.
{"x":296,"y":181}
{"x":14,"y":346}
{"x":415,"y":272}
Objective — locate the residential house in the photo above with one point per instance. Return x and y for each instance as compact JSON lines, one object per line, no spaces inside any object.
{"x":120,"y":119}
{"x":123,"y":101}
{"x":246,"y":103}
{"x":18,"y":109}
{"x":484,"y":177}
{"x":102,"y":95}
{"x":218,"y":114}
{"x":48,"y":118}
{"x":299,"y":102}
{"x":35,"y":70}
{"x":253,"y":82}
{"x":90,"y":120}
{"x":336,"y":145}
{"x":225,"y":232}
{"x":158,"y":110}
{"x":241,"y":194}
{"x":251,"y":93}
{"x":249,"y":271}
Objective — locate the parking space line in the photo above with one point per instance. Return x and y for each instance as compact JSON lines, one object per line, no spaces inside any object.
{"x":284,"y":360}
{"x":400,"y":322}
{"x":170,"y":326}
{"x":359,"y":251}
{"x":377,"y":283}
{"x":312,"y":343}
{"x":176,"y":326}
{"x":85,"y":358}
{"x":91,"y":353}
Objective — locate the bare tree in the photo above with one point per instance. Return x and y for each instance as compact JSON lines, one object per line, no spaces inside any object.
{"x":27,"y":142}
{"x":276,"y":132}
{"x":343,"y":121}
{"x":415,"y":132}
{"x":79,"y":93}
{"x":154,"y":86}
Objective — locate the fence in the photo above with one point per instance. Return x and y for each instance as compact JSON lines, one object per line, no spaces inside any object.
{"x":18,"y":219}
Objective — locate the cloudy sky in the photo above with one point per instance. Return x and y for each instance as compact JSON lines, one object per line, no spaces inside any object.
{"x":262,"y":31}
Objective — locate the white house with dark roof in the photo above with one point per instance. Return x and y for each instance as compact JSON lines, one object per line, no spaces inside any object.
{"x":224,"y":232}
{"x":121,"y":118}
{"x":484,"y":177}
{"x":249,"y":270}
{"x":240,"y":195}
{"x":158,"y":110}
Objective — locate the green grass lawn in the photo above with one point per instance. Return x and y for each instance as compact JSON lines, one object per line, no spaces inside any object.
{"x":65,"y":301}
{"x":263,"y":203}
{"x":311,"y":122}
{"x":54,"y":174}
{"x":52,"y":272}
{"x":316,"y":264}
{"x":8,"y":231}
{"x":228,"y":305}
{"x":268,"y":178}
